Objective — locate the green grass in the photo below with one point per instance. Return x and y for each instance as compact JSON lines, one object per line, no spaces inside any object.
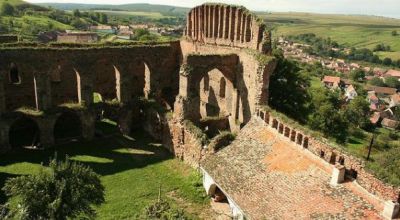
{"x":152,"y":15}
{"x":131,"y":169}
{"x":349,"y":30}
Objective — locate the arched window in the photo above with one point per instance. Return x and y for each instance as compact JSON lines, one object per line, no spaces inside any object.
{"x":206,"y":83}
{"x":222,"y":87}
{"x":14,"y":74}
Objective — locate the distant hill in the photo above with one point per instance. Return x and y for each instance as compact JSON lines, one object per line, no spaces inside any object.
{"x":163,"y":9}
{"x":22,"y":5}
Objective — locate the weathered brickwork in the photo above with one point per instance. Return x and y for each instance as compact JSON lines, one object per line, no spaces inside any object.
{"x":215,"y":78}
{"x":227,"y":25}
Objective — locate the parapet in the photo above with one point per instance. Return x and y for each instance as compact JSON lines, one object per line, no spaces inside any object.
{"x":227,"y":25}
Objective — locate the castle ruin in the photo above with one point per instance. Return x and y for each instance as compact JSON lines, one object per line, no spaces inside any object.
{"x":215,"y":78}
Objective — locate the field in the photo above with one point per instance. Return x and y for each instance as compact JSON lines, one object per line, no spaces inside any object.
{"x":349,"y":30}
{"x":132,"y":169}
{"x":152,"y":15}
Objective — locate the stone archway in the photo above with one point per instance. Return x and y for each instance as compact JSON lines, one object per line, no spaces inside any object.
{"x":24,"y":132}
{"x":67,"y":126}
{"x":215,"y":93}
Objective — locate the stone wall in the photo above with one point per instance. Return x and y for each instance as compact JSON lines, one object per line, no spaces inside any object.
{"x":246,"y":76}
{"x":227,"y":25}
{"x":355,"y":168}
{"x":72,"y":75}
{"x":8,"y":38}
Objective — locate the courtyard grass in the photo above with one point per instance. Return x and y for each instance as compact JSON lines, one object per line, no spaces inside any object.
{"x":132,"y":169}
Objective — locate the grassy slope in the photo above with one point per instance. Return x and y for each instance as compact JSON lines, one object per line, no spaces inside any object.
{"x":30,"y":21}
{"x":358,"y":31}
{"x":163,"y":9}
{"x":131,"y":171}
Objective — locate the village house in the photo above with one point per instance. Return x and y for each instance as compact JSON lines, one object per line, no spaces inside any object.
{"x":107,"y":29}
{"x":378,"y":71}
{"x":394,"y":100}
{"x":125,"y":34}
{"x":332,"y":82}
{"x":390,"y":124}
{"x":375,"y":118}
{"x":77,"y":37}
{"x":394,"y":73}
{"x":350,"y":93}
{"x":382,"y":91}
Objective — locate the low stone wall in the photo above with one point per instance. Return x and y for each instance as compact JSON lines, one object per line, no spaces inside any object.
{"x":8,"y":38}
{"x":355,"y":168}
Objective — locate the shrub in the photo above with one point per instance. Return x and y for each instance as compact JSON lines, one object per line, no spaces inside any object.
{"x":161,"y":209}
{"x":64,"y":191}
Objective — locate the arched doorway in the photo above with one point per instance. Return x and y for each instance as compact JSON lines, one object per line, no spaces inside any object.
{"x":215,"y":92}
{"x":68,"y":126}
{"x":24,"y":132}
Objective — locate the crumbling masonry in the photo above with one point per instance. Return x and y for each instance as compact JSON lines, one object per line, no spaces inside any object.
{"x":215,"y":78}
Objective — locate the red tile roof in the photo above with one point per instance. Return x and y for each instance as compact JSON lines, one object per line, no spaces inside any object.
{"x":331,"y":79}
{"x":382,"y":90}
{"x":390,"y":123}
{"x":394,"y":73}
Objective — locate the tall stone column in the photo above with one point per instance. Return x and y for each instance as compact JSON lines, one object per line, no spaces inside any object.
{"x":42,"y":91}
{"x":123,"y":85}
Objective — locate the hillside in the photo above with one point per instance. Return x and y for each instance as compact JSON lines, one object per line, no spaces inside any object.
{"x":350,"y":30}
{"x":28,"y":20}
{"x":163,"y":9}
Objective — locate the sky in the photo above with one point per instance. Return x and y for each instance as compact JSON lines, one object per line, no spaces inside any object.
{"x":387,"y":8}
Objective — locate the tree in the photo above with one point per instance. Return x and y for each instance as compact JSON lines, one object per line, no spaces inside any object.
{"x":357,"y":75}
{"x":76,"y":13}
{"x":326,"y":115}
{"x":357,"y":112}
{"x":7,"y":9}
{"x":392,"y":82}
{"x":387,"y":61}
{"x":103,"y":18}
{"x":394,"y":33}
{"x":376,"y":81}
{"x":64,"y":191}
{"x":287,"y":89}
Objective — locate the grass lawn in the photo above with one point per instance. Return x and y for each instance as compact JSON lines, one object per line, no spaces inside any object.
{"x":349,"y":30}
{"x":131,"y":169}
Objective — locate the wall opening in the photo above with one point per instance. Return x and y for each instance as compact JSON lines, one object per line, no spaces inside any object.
{"x":293,"y":136}
{"x":333,"y":158}
{"x":281,"y":128}
{"x":222,"y":87}
{"x":67,"y":127}
{"x":299,"y":139}
{"x":275,"y":123}
{"x":147,"y":80}
{"x":24,"y":132}
{"x":14,"y":74}
{"x":206,"y":83}
{"x":287,"y":132}
{"x":305,"y":143}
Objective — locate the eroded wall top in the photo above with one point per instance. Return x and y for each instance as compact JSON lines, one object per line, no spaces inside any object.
{"x":227,"y":25}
